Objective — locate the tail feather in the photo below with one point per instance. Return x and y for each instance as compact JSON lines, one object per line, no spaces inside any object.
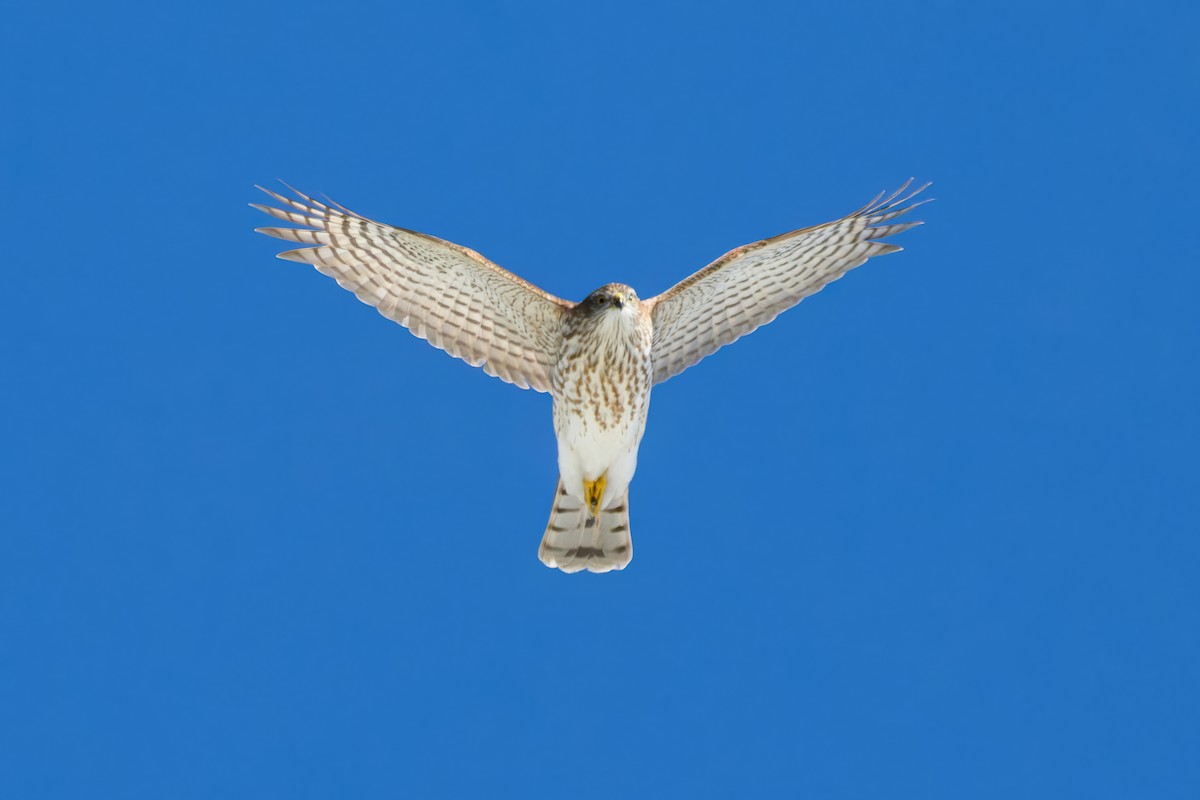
{"x":575,"y":540}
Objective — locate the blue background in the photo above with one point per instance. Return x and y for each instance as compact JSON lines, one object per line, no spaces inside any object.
{"x":931,"y":534}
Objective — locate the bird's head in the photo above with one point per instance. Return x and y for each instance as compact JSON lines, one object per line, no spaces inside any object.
{"x":612,"y":297}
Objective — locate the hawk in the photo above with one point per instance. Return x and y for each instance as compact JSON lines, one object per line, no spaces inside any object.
{"x":598,"y":358}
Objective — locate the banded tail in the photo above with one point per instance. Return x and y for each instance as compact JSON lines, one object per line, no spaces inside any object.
{"x":575,"y":540}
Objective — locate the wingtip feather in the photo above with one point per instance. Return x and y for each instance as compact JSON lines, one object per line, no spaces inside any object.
{"x":295,"y":255}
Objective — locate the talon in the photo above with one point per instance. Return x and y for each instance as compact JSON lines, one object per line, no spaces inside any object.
{"x":592,"y":492}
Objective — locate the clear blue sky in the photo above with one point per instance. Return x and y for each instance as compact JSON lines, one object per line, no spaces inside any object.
{"x":931,"y":534}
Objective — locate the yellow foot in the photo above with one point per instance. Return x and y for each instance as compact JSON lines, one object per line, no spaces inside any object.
{"x":593,"y":491}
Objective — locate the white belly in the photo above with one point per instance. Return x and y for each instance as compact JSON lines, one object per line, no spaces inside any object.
{"x":600,"y":407}
{"x":587,"y":452}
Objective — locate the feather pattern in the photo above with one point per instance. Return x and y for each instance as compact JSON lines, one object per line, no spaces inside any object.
{"x":751,"y":285}
{"x":575,"y":540}
{"x":447,"y":294}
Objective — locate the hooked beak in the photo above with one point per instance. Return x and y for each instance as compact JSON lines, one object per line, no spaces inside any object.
{"x":618,"y":300}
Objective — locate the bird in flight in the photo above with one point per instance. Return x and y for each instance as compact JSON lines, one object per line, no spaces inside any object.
{"x":598,"y":358}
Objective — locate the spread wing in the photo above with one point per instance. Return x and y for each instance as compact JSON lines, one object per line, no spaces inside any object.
{"x":750,"y":286}
{"x":450,"y":295}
